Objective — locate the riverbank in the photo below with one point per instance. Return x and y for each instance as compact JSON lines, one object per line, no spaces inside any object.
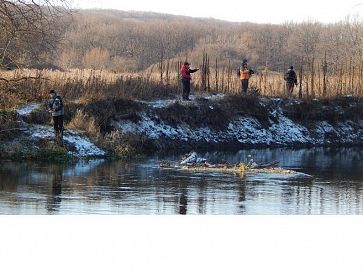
{"x":219,"y":121}
{"x":29,"y":137}
{"x":126,"y":128}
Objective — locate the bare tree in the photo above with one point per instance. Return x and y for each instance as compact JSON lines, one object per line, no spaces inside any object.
{"x":28,"y":29}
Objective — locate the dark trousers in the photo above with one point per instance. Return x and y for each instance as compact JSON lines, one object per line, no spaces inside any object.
{"x":58,"y":123}
{"x":244,"y":85}
{"x":186,"y":88}
{"x":289,"y":88}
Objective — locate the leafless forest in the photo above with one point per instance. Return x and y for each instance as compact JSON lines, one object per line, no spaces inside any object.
{"x":144,"y":51}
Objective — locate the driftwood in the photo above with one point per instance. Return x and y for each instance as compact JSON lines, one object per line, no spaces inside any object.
{"x":241,"y":168}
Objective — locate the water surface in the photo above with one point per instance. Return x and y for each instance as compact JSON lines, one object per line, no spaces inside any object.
{"x":103,"y":187}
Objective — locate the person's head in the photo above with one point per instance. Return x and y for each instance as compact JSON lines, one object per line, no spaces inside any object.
{"x":291,"y":68}
{"x":52,"y":93}
{"x":186,"y":63}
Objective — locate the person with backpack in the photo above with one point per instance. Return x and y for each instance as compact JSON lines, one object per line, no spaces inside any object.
{"x":186,"y":72}
{"x":244,"y":73}
{"x":291,"y":80}
{"x":56,"y":108}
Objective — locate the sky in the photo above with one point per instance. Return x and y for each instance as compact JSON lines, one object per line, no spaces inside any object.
{"x":257,"y":11}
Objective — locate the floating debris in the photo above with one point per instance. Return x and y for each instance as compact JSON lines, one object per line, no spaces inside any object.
{"x":192,"y":162}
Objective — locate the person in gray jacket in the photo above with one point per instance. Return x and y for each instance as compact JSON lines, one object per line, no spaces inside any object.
{"x":56,"y":107}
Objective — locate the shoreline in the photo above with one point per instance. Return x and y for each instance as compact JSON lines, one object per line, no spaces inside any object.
{"x":209,"y":122}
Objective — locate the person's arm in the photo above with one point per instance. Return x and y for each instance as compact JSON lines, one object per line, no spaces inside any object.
{"x":193,"y":70}
{"x":50,"y":104}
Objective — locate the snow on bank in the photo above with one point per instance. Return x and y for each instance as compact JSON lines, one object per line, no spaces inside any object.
{"x":164,"y":103}
{"x":83,"y":147}
{"x":156,"y":130}
{"x":249,"y":131}
{"x":27,"y":109}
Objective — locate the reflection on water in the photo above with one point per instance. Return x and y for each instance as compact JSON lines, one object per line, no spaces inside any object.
{"x":54,"y":199}
{"x":101,"y":187}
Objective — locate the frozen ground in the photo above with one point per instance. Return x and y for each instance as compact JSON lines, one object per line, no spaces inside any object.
{"x":247,"y":130}
{"x":163,"y":103}
{"x":81,"y":145}
{"x":27,"y":109}
{"x":278,"y":129}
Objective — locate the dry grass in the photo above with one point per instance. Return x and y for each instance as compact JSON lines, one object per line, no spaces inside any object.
{"x":9,"y":124}
{"x":75,"y":84}
{"x":20,"y":86}
{"x":94,"y":98}
{"x":343,"y":79}
{"x":331,"y":110}
{"x":84,"y":122}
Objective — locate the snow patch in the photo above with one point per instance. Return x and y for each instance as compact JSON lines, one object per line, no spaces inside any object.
{"x":164,"y":103}
{"x":27,"y":109}
{"x":214,"y":96}
{"x":248,"y":130}
{"x":158,"y":104}
{"x":83,"y":146}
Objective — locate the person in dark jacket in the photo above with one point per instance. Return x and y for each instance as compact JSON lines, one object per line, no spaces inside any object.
{"x":186,"y":72}
{"x":56,"y":107}
{"x":291,"y":80}
{"x":244,"y":73}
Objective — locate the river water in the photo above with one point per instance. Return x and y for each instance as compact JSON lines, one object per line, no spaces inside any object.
{"x":104,"y":187}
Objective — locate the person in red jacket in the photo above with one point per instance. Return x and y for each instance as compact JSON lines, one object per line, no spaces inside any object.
{"x":186,"y":77}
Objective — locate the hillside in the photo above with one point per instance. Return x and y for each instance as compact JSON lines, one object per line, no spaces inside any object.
{"x":132,"y":41}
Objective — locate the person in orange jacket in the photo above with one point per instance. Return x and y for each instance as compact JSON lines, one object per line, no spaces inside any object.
{"x":244,"y":73}
{"x":186,"y":72}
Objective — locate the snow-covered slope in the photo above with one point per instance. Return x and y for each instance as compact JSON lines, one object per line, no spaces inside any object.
{"x":80,"y":146}
{"x":248,"y":130}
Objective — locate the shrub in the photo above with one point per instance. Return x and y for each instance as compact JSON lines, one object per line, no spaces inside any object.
{"x":39,"y":116}
{"x":9,"y":124}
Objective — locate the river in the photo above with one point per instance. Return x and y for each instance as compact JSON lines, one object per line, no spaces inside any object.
{"x":128,"y":188}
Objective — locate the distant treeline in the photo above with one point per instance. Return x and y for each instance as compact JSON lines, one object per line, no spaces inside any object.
{"x":328,"y":57}
{"x":126,"y":41}
{"x":133,"y":41}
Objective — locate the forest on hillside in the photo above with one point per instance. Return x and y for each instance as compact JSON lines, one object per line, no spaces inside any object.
{"x":133,"y":41}
{"x":124,"y":41}
{"x":327,"y":57}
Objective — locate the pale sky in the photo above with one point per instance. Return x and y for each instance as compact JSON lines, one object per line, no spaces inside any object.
{"x":258,"y":11}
